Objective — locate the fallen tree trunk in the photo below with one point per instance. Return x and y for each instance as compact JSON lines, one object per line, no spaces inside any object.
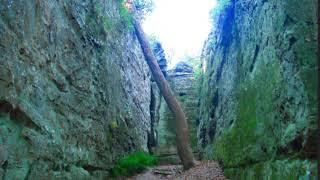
{"x":182,"y":132}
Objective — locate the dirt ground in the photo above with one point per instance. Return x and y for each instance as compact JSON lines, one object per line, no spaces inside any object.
{"x":204,"y":170}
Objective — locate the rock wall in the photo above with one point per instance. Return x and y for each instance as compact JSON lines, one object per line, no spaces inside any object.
{"x":156,"y":97}
{"x":182,"y":81}
{"x":74,"y":89}
{"x":258,"y":95}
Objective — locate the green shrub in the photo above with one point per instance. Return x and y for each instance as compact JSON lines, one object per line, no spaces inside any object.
{"x":126,"y":15}
{"x":197,"y":68}
{"x":133,"y":163}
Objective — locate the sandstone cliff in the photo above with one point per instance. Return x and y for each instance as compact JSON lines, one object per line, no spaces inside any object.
{"x":74,"y":88}
{"x":183,"y":83}
{"x":258,"y":100}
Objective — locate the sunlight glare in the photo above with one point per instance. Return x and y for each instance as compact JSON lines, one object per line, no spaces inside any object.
{"x":182,"y":26}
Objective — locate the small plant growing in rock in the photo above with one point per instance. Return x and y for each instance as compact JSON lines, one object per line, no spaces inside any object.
{"x":114,"y":124}
{"x":133,"y":163}
{"x":125,"y":15}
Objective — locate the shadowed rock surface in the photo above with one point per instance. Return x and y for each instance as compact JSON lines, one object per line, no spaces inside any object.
{"x":156,"y":97}
{"x":74,"y":89}
{"x":258,"y":101}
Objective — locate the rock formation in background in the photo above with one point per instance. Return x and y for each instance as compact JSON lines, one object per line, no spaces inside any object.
{"x":161,"y":56}
{"x":156,"y":97}
{"x":182,"y":81}
{"x":258,"y":101}
{"x":181,"y":125}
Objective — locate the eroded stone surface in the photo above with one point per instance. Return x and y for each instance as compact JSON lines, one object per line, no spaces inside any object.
{"x":258,"y":99}
{"x":74,"y":88}
{"x":183,"y":83}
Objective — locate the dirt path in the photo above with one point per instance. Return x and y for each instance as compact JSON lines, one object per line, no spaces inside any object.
{"x":204,"y":170}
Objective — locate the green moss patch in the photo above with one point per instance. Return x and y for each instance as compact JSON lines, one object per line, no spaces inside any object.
{"x":133,"y":163}
{"x":253,"y":136}
{"x":277,"y":169}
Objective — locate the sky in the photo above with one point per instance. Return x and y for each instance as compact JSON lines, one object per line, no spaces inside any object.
{"x":182,"y":26}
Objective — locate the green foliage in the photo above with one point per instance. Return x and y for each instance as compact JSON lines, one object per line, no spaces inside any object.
{"x":197,"y":72}
{"x":221,"y":6}
{"x":195,"y":62}
{"x":133,"y":163}
{"x":142,"y":9}
{"x":125,"y":15}
{"x":109,"y":24}
{"x":99,"y":17}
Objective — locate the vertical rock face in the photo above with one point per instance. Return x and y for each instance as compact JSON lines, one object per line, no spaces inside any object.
{"x":161,"y":57}
{"x":183,"y":83}
{"x":74,"y":88}
{"x":156,"y":97}
{"x":258,"y":100}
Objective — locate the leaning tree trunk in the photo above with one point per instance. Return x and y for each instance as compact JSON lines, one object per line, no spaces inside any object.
{"x":182,"y":132}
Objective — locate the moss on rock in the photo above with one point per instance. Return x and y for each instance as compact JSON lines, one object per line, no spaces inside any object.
{"x":275,"y":169}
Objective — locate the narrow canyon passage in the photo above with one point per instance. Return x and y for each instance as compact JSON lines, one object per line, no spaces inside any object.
{"x":79,"y":101}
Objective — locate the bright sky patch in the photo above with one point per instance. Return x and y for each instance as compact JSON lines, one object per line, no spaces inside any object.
{"x":182,"y":26}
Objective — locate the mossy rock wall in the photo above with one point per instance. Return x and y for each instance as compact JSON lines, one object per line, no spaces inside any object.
{"x":74,"y":89}
{"x":258,"y":95}
{"x":275,"y":169}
